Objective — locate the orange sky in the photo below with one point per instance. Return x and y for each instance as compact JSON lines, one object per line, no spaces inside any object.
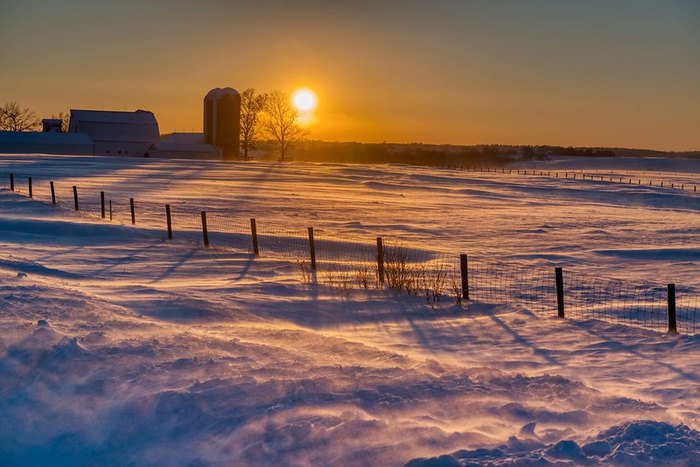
{"x":596,"y":73}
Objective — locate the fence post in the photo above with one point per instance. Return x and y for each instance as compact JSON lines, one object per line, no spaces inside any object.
{"x":133,"y":213}
{"x":12,"y":182}
{"x":464,"y":269}
{"x":380,"y":261}
{"x":312,"y":248}
{"x":254,"y":235}
{"x":169,"y":222}
{"x":560,"y":291}
{"x":29,"y":182}
{"x":102,"y":204}
{"x":53,"y":194}
{"x":205,"y":232}
{"x":75,"y":198}
{"x":672,"y":309}
{"x":110,"y":210}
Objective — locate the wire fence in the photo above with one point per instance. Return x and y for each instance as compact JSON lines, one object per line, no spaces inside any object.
{"x":349,"y":262}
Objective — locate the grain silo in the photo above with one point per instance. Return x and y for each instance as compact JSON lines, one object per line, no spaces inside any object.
{"x":222,"y":121}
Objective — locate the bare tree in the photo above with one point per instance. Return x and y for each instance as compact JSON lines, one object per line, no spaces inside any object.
{"x":14,"y":118}
{"x":251,"y":106}
{"x":281,"y":122}
{"x":65,"y":120}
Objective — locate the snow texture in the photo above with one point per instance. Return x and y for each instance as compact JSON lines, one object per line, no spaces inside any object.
{"x":118,"y":347}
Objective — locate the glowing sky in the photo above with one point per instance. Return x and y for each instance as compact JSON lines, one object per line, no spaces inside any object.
{"x":590,"y":73}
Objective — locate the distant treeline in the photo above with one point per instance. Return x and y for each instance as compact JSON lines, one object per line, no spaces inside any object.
{"x":427,"y":154}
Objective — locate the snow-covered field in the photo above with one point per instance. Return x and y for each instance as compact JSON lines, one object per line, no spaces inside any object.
{"x":119,"y":347}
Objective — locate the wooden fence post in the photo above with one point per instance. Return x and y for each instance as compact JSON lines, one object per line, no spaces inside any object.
{"x":205,"y":232}
{"x":110,"y":210}
{"x":560,"y":291}
{"x":102,"y":204}
{"x":75,"y":198}
{"x":29,"y":183}
{"x":464,"y":269}
{"x":169,"y":222}
{"x":53,"y":194}
{"x":672,"y":309}
{"x":312,"y":247}
{"x":380,"y":261}
{"x":133,"y":212}
{"x":12,"y":182}
{"x":254,"y":235}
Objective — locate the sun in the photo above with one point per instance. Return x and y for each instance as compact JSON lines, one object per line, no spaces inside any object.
{"x":304,"y":100}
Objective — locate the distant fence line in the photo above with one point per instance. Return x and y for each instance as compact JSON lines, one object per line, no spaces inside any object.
{"x":611,"y":176}
{"x":346,"y":262}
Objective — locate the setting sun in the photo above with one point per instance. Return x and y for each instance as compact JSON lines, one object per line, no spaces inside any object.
{"x":304,"y":99}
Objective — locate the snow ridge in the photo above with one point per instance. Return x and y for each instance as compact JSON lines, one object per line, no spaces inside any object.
{"x":640,"y":443}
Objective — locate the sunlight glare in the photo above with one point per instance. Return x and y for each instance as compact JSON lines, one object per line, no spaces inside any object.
{"x":304,"y":100}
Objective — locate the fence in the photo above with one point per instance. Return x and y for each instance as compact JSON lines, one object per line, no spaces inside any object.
{"x":346,"y":262}
{"x":687,"y":185}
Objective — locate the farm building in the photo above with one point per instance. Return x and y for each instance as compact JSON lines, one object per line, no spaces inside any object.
{"x":117,"y":133}
{"x":51,"y":142}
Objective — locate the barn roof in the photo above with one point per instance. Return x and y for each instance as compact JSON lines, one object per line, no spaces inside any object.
{"x":35,"y":137}
{"x":103,"y":125}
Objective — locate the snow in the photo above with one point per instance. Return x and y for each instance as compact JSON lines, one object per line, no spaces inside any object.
{"x":640,"y":443}
{"x":119,"y":347}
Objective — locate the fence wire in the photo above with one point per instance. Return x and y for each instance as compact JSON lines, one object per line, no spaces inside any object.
{"x":350,"y":262}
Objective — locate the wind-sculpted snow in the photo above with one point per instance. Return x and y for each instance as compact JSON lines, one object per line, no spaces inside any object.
{"x":125,"y":394}
{"x":640,"y":443}
{"x":118,"y":347}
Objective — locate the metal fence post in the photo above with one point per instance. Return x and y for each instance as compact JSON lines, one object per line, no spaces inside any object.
{"x":205,"y":232}
{"x":254,"y":235}
{"x":75,"y":198}
{"x":53,"y":194}
{"x":29,"y":183}
{"x":380,"y":260}
{"x":12,"y":182}
{"x":110,"y":210}
{"x":560,"y":291}
{"x":133,"y":212}
{"x":464,"y":269}
{"x":672,"y":309}
{"x":169,"y":222}
{"x":312,"y":247}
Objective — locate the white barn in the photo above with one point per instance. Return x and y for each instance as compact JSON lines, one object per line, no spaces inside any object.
{"x":117,"y":133}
